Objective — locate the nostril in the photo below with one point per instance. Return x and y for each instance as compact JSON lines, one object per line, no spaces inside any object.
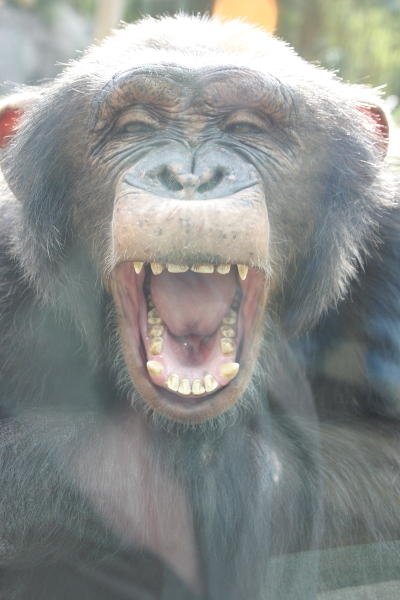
{"x":212,"y":182}
{"x":176,"y":181}
{"x":170,"y":180}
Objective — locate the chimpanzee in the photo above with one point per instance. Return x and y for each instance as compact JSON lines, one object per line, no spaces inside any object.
{"x":200,"y":321}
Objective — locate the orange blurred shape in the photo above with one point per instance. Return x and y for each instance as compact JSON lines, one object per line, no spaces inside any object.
{"x":258,"y":12}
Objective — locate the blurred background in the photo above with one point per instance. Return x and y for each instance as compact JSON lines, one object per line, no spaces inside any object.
{"x":360,"y":39}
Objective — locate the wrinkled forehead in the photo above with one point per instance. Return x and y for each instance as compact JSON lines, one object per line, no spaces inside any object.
{"x":175,"y":87}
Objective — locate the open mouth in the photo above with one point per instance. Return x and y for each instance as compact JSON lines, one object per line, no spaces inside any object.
{"x":189,"y":333}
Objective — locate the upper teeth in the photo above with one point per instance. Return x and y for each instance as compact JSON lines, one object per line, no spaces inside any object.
{"x":177,"y":268}
{"x":202,"y":268}
{"x":243,"y":270}
{"x":158,"y":268}
{"x":138,"y":267}
{"x":223,"y":269}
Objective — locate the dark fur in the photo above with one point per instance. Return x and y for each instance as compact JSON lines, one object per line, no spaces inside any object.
{"x":310,"y":457}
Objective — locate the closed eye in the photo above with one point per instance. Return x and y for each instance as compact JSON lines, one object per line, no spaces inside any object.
{"x":136,"y":121}
{"x":243,"y":128}
{"x":136,"y":127}
{"x":244,"y":122}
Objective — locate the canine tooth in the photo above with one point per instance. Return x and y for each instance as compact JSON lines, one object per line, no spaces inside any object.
{"x":243,"y":270}
{"x":156,"y":345}
{"x":228,"y":332}
{"x":198,"y":387}
{"x":202,"y":268}
{"x":210,"y":383}
{"x":177,"y":268}
{"x":223,"y":269}
{"x":156,"y":331}
{"x":156,"y":268}
{"x":173,"y":382}
{"x":229,"y":370}
{"x":138,"y":266}
{"x":185,"y":387}
{"x":230,"y":318}
{"x":227,"y":345}
{"x":154,"y":367}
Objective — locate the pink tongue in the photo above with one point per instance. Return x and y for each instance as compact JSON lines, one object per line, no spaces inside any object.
{"x":192,"y":303}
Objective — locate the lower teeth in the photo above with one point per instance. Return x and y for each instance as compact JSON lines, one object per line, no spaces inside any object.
{"x":199,"y":386}
{"x":227,"y":346}
{"x":185,"y":387}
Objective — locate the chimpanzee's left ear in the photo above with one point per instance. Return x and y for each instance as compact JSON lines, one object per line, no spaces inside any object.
{"x":11,"y":110}
{"x":379,"y":121}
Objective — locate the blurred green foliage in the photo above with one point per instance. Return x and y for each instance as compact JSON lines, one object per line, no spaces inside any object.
{"x":358,"y":38}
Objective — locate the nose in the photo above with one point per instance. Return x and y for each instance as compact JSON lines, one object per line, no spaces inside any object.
{"x":173,"y":178}
{"x":176,"y":172}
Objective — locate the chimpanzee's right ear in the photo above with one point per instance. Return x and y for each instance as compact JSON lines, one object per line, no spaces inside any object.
{"x":11,"y":110}
{"x":378,"y":118}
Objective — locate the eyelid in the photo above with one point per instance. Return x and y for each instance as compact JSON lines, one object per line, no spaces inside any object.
{"x":243,"y":117}
{"x":135,"y":116}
